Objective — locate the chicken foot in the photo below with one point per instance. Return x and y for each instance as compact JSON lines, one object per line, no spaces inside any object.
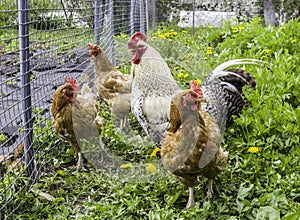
{"x":210,"y":191}
{"x":191,"y":202}
{"x":79,"y":165}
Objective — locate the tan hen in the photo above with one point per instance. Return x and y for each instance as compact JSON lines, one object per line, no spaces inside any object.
{"x":75,"y":115}
{"x":112,"y":86}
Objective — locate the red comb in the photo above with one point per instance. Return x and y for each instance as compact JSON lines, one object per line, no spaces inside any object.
{"x":90,"y":45}
{"x":94,"y":49}
{"x":195,"y":88}
{"x":72,"y":82}
{"x":138,"y":36}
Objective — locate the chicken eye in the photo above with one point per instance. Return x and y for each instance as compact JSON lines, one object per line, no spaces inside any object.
{"x":131,"y":45}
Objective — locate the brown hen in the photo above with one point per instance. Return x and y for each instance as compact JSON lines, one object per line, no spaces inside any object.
{"x":74,"y":115}
{"x":192,"y":144}
{"x":112,"y":86}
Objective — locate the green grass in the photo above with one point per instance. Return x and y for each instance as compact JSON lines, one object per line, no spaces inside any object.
{"x":260,"y":185}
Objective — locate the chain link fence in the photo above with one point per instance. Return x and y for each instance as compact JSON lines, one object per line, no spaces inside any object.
{"x":41,"y":43}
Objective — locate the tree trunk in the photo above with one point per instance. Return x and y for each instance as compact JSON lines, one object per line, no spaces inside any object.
{"x":269,"y":13}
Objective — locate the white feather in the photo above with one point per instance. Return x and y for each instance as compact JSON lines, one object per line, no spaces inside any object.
{"x":157,"y":108}
{"x":218,"y":71}
{"x":230,"y":87}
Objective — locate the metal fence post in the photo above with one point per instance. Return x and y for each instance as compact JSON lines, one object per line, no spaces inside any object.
{"x":25,"y":89}
{"x":154,"y":16}
{"x":111,"y":31}
{"x":132,"y":20}
{"x":193,"y":27}
{"x":237,"y":7}
{"x":151,"y":15}
{"x":147,"y":15}
{"x":97,"y":11}
{"x":142,"y":17}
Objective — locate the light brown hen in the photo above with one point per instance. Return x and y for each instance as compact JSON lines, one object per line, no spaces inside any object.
{"x":75,"y":115}
{"x":112,"y":86}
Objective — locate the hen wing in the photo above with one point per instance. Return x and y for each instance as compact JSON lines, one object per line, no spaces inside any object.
{"x":86,"y":121}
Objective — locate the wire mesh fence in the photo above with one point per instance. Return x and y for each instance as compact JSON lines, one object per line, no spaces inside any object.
{"x":41,"y":43}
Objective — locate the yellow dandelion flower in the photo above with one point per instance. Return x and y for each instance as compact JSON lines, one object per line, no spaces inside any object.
{"x":205,"y":58}
{"x":293,"y":41}
{"x":282,"y":28}
{"x":126,"y":165}
{"x":184,"y":31}
{"x":175,"y":33}
{"x":209,"y":52}
{"x":266,"y":51}
{"x":241,"y":28}
{"x":167,"y":34}
{"x":198,"y":81}
{"x":189,"y":55}
{"x":234,"y":30}
{"x":151,"y":168}
{"x":253,"y":150}
{"x":186,"y":75}
{"x":154,"y":152}
{"x":124,"y":36}
{"x":176,"y":68}
{"x":180,"y":75}
{"x":162,"y":36}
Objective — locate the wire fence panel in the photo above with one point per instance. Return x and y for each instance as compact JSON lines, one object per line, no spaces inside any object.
{"x":41,"y":43}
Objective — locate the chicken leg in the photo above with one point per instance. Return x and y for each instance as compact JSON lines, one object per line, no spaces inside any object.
{"x":210,"y":191}
{"x":123,"y":122}
{"x":77,"y":147}
{"x":191,"y":202}
{"x":79,"y":165}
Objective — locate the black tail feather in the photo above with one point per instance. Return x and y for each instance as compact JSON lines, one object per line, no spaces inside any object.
{"x":226,"y":91}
